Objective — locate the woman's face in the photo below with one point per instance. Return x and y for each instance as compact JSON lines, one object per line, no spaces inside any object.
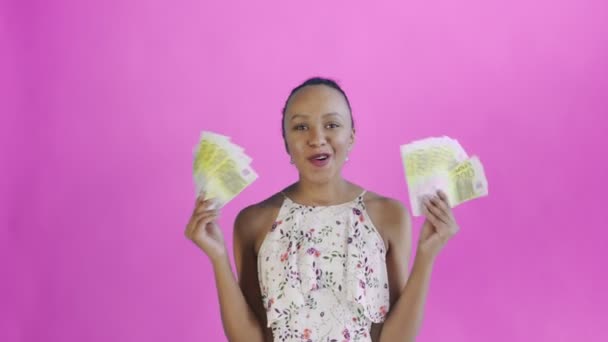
{"x":318,"y":132}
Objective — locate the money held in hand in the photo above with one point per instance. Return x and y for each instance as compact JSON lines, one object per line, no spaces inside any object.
{"x":221,"y":168}
{"x":440,"y":163}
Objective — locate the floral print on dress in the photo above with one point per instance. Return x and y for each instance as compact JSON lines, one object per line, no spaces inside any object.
{"x":322,"y":273}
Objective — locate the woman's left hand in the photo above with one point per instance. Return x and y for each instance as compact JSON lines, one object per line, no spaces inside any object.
{"x":438,"y":228}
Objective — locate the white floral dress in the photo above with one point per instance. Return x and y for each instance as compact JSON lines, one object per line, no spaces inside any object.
{"x":322,"y":273}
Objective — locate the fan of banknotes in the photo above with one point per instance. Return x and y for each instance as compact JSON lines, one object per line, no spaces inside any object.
{"x":440,"y":163}
{"x":221,"y":168}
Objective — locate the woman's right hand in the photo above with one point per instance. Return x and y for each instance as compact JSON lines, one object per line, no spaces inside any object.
{"x":204,"y":231}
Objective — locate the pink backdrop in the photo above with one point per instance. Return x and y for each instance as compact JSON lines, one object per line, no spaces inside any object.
{"x":102,"y":102}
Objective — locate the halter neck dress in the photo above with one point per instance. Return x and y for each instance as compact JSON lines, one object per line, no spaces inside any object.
{"x":322,"y":273}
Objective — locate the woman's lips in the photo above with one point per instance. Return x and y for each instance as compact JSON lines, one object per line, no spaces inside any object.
{"x":320,"y":160}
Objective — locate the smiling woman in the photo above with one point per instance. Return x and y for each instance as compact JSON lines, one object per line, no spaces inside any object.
{"x":318,"y":129}
{"x":324,"y":259}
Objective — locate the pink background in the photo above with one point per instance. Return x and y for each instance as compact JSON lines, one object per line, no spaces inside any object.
{"x":102,"y":102}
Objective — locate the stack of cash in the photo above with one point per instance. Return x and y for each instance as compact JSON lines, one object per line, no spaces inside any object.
{"x":440,"y":163}
{"x":221,"y":169}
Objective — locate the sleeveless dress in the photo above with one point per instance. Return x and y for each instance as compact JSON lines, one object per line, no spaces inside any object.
{"x":322,"y":273}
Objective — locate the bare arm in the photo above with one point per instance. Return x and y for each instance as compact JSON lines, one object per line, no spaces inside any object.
{"x":392,"y":219}
{"x":405,"y":318}
{"x":407,"y":302}
{"x":238,"y":318}
{"x":243,"y":316}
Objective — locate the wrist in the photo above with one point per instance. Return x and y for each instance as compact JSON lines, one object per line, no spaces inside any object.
{"x":423,"y":262}
{"x":220,"y":261}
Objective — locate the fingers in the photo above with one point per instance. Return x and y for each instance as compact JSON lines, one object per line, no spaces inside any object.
{"x":435,"y":221}
{"x":203,"y":203}
{"x":439,"y":207}
{"x":441,"y":201}
{"x":205,"y":218}
{"x":200,"y":220}
{"x":443,"y":197}
{"x":442,"y":230}
{"x":202,"y":195}
{"x":193,"y":227}
{"x":436,"y":208}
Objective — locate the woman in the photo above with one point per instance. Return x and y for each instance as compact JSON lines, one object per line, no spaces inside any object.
{"x":323,"y":260}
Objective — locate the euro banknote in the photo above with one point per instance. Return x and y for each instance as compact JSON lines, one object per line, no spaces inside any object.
{"x":440,"y":163}
{"x":221,"y":168}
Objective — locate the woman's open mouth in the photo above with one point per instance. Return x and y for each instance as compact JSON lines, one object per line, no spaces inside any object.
{"x":320,"y":160}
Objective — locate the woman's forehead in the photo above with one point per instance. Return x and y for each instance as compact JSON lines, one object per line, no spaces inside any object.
{"x":317,"y":100}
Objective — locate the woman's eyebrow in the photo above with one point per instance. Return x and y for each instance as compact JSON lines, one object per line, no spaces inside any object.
{"x":295,"y":116}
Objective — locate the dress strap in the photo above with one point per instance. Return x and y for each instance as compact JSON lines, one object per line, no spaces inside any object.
{"x":358,"y":199}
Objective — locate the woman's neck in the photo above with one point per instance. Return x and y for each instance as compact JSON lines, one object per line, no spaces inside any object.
{"x":325,"y":194}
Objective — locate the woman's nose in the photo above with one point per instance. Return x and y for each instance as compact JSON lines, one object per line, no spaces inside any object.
{"x":316,"y":138}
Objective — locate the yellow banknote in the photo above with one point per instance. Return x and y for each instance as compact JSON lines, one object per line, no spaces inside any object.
{"x":229,"y":180}
{"x":441,"y":164}
{"x":221,"y":168}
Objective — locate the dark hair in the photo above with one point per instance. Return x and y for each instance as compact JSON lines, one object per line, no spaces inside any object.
{"x":311,"y":82}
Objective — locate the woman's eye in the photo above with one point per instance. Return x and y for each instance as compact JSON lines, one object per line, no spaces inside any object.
{"x":333,"y":125}
{"x":300,"y":127}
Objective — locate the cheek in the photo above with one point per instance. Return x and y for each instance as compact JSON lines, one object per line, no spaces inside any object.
{"x":294,"y":145}
{"x":342,"y":142}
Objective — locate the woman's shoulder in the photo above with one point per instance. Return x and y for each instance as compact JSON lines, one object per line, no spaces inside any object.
{"x":263,"y":208}
{"x":252,"y":220}
{"x":389,"y":215}
{"x":383,"y":204}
